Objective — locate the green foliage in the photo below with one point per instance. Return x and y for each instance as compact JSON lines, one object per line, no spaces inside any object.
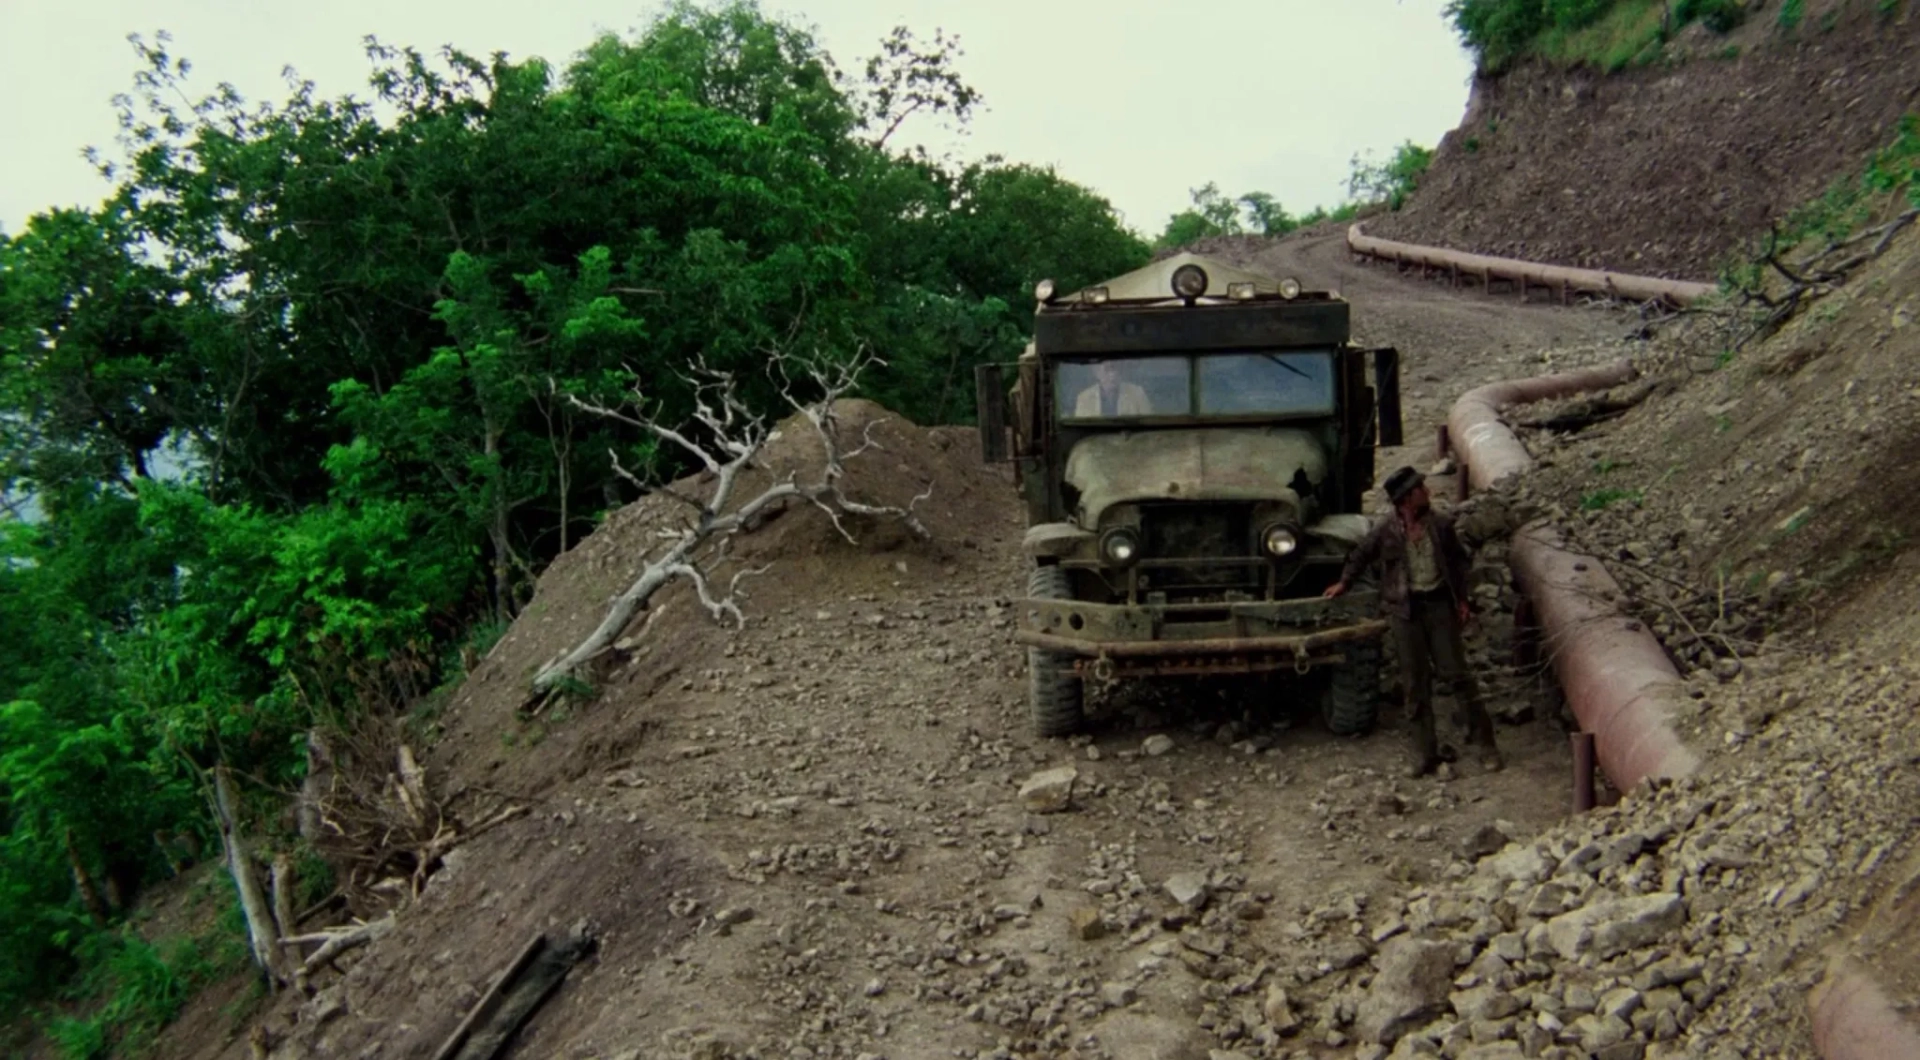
{"x":1601,"y":499}
{"x":141,"y":987}
{"x":297,"y":403}
{"x":1609,"y":34}
{"x":1391,"y":181}
{"x":1791,"y":14}
{"x":1841,"y":210}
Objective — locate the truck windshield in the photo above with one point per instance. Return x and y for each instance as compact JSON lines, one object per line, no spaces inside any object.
{"x":1293,"y":383}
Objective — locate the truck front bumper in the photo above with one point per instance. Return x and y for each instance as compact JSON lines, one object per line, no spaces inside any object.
{"x":1119,"y":640}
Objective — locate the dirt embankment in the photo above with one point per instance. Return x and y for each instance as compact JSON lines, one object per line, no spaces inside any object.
{"x":1665,"y":169}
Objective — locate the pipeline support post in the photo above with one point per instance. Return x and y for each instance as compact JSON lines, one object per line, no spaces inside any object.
{"x":1583,"y":757}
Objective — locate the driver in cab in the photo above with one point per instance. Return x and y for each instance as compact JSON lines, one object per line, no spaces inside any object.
{"x":1110,"y":395}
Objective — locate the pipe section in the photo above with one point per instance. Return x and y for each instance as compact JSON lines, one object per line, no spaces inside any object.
{"x":1854,"y":1020}
{"x":1616,"y":676}
{"x":1482,"y":440}
{"x":1523,"y":274}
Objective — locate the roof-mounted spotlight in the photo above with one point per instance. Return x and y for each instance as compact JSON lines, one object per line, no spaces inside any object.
{"x":1240,"y":292}
{"x":1190,"y":281}
{"x":1043,"y":291}
{"x":1094,"y":295}
{"x":1289,"y":288}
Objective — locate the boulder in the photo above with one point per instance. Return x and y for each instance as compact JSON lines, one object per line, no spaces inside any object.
{"x":1416,"y":976}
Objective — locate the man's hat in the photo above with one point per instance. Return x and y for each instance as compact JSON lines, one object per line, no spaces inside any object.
{"x":1402,"y":482}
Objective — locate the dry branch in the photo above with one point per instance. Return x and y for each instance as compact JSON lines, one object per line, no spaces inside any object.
{"x":726,"y":440}
{"x":337,"y":941}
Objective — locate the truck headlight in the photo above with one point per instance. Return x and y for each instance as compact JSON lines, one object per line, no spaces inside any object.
{"x":1279,"y":541}
{"x":1190,"y":281}
{"x":1120,"y":546}
{"x":1289,"y":288}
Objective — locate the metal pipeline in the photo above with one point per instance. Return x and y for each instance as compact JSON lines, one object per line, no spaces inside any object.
{"x":1616,"y":676}
{"x":1623,"y":688}
{"x":1854,"y":1020}
{"x":1524,"y":274}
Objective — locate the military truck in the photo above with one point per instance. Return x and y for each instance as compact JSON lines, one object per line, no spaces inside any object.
{"x":1192,"y":442}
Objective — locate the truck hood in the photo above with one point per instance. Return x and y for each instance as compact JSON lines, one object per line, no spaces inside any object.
{"x":1211,"y":464}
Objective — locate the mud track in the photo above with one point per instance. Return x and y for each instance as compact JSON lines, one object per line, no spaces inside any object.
{"x":803,"y":838}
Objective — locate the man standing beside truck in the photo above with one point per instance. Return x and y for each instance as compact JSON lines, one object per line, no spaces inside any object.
{"x":1423,"y":588}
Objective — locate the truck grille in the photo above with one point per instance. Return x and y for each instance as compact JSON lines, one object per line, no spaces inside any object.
{"x":1197,"y":532}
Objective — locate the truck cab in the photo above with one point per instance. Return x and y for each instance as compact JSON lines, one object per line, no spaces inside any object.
{"x":1192,"y":442}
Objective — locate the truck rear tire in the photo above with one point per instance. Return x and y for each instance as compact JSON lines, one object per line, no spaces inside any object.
{"x":1353,"y":694}
{"x":1055,"y":696}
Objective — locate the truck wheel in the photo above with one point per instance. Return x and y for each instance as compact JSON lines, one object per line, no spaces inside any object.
{"x":1054,"y":694}
{"x":1353,"y":695}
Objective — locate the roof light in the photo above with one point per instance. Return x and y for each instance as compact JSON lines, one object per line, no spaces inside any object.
{"x":1043,"y":291}
{"x":1240,"y":291}
{"x":1289,"y":288}
{"x":1190,"y":281}
{"x":1094,"y":295}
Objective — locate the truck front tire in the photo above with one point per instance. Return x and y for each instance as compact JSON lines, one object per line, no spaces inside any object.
{"x":1353,"y":693}
{"x":1054,"y":693}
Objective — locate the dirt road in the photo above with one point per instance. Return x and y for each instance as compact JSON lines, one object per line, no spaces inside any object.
{"x":803,"y":839}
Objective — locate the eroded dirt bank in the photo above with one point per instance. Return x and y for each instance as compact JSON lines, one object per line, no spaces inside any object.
{"x":1665,"y":169}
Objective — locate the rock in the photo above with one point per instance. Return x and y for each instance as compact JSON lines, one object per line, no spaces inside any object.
{"x":1278,"y":1009}
{"x":1597,"y":1032}
{"x":733,"y":915}
{"x":325,"y":1005}
{"x":1412,"y":987}
{"x":1495,"y":1051}
{"x":1483,"y":841}
{"x":1608,"y":928}
{"x":1050,"y":790}
{"x":1516,"y":863}
{"x":1484,"y":1003}
{"x":874,"y":987}
{"x":1157,"y":745}
{"x":1188,"y":890}
{"x":1621,"y":1003}
{"x":1117,"y":995}
{"x":1346,"y":952}
{"x":1086,"y":924}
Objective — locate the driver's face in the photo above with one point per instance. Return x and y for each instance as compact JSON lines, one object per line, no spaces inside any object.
{"x":1107,"y":374}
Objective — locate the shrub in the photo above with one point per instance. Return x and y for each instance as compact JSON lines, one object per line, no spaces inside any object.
{"x":1791,"y":14}
{"x":1391,"y":181}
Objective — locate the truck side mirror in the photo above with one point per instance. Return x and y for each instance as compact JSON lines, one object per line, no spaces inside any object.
{"x":1386,"y":384}
{"x":990,"y":398}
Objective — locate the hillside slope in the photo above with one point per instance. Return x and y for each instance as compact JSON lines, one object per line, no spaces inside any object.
{"x":1665,"y":169}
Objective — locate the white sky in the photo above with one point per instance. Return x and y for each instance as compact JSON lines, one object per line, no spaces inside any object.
{"x":1138,"y":100}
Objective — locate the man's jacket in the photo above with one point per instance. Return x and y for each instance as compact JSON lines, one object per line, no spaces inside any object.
{"x":1131,"y":401}
{"x":1386,"y":544}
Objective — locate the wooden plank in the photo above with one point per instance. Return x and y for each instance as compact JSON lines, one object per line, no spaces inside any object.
{"x":484,"y":1007}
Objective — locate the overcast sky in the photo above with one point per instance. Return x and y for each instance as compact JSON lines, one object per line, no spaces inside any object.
{"x":1139,"y":100}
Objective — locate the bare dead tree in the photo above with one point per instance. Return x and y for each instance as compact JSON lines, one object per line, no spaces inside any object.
{"x":726,"y":440}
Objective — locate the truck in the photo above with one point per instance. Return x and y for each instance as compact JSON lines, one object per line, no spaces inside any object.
{"x":1192,"y":442}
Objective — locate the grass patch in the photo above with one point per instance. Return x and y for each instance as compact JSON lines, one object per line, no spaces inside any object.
{"x":1629,"y":34}
{"x":140,"y":986}
{"x":1792,"y":13}
{"x":1601,"y":500}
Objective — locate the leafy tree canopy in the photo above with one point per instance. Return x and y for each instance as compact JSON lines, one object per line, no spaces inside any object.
{"x":293,"y":401}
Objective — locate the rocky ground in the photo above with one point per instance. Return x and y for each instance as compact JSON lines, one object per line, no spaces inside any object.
{"x":830,"y":834}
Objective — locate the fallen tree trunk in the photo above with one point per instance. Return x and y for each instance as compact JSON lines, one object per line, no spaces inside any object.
{"x":262,"y":937}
